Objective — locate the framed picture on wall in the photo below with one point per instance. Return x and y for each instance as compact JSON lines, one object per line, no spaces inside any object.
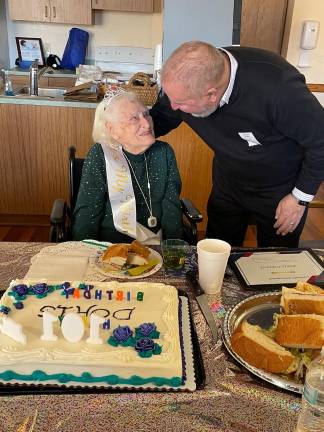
{"x":30,"y":49}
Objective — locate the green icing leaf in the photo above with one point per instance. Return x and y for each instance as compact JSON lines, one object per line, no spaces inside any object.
{"x":157,"y":349}
{"x":112,"y":341}
{"x":145,"y":354}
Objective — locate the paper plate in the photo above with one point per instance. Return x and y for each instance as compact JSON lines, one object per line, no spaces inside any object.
{"x":122,"y":274}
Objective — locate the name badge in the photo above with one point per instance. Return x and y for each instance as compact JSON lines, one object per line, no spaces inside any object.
{"x":250,"y":138}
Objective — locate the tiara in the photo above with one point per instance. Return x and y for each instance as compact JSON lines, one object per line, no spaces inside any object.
{"x":112,"y":92}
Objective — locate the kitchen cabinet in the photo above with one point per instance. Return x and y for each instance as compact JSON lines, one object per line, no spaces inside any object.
{"x":34,"y":143}
{"x":44,"y":81}
{"x":61,"y":82}
{"x":53,"y":11}
{"x":124,"y":5}
{"x":23,"y":80}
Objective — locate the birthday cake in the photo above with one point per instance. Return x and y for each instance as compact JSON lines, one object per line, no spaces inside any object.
{"x":103,"y":334}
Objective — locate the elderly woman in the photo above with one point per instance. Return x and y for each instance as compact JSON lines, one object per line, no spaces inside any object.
{"x":130,"y":183}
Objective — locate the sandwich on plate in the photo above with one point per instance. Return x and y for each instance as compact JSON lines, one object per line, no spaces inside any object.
{"x":261,"y":351}
{"x":295,"y":301}
{"x":138,"y":254}
{"x":300,"y":331}
{"x":295,"y":338}
{"x":116,"y":255}
{"x":133,"y":258}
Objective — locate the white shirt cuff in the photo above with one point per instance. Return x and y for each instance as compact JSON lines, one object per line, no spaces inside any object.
{"x":301,"y":195}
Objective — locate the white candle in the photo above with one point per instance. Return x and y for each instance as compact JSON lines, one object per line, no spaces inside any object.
{"x":14,"y":330}
{"x":48,"y":321}
{"x":95,"y":321}
{"x":72,"y":327}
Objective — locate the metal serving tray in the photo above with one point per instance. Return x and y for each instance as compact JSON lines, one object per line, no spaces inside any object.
{"x":258,"y":309}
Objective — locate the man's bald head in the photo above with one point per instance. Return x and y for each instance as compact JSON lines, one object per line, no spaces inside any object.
{"x":194,"y":65}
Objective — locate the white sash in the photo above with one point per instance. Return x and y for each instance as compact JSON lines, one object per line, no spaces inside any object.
{"x":122,"y":197}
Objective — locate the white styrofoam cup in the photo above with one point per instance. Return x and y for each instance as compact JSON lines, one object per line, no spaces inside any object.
{"x":212,"y":259}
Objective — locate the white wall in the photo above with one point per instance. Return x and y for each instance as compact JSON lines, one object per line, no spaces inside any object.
{"x":110,"y":28}
{"x":301,"y":10}
{"x":207,"y":20}
{"x":4,"y":52}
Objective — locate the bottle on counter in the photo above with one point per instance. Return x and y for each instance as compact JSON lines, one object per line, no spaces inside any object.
{"x":311,"y":417}
{"x":8,"y":91}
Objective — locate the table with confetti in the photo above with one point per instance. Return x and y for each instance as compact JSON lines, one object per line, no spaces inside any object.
{"x":231,"y":401}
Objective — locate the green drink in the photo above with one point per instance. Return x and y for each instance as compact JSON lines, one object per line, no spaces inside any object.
{"x":174,"y":253}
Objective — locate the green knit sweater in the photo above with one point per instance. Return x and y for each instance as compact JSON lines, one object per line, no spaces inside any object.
{"x":92,"y":217}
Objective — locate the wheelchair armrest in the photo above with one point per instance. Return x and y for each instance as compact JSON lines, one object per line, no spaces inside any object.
{"x":58,"y":212}
{"x":316,"y":204}
{"x":190,"y":211}
{"x":58,"y":218}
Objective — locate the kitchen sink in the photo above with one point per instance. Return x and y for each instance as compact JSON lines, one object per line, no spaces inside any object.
{"x":43,"y":92}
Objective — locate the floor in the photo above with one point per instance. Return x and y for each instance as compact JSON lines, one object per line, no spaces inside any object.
{"x":36,"y":228}
{"x":39,"y":231}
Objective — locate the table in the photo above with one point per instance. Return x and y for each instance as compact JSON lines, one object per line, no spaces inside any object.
{"x":232,"y":400}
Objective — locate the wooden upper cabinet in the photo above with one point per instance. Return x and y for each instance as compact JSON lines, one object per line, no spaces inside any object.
{"x":124,"y":5}
{"x":71,"y":11}
{"x":29,"y":10}
{"x":55,"y":11}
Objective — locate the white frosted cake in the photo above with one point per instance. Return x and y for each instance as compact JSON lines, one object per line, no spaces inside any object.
{"x":99,"y":334}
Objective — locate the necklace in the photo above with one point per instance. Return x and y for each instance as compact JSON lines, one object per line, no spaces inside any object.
{"x":151,"y":220}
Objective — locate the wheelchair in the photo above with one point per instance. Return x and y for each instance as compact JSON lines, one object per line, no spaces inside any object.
{"x":61,"y":215}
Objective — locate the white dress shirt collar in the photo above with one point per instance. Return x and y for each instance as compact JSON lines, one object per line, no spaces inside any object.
{"x":233,"y":65}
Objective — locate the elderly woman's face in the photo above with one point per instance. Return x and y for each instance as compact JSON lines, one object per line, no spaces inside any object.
{"x":133,"y":127}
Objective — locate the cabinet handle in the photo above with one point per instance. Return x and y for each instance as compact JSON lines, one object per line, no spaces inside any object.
{"x":46,"y":12}
{"x":54,"y":12}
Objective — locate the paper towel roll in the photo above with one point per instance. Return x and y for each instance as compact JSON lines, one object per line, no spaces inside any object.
{"x":157,"y":58}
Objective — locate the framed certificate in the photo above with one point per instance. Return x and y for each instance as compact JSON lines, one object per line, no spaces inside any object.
{"x":259,"y":269}
{"x":30,"y":49}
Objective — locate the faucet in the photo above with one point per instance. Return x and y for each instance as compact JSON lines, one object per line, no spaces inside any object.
{"x":34,"y":75}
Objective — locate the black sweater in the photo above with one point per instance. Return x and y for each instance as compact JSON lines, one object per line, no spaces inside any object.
{"x":271,"y":100}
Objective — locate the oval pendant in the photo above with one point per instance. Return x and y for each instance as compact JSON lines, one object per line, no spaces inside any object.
{"x":151,"y":221}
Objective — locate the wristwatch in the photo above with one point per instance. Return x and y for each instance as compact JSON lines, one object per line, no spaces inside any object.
{"x":303,"y":203}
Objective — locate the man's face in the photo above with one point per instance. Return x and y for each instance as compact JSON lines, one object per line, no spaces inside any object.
{"x":134,"y":127}
{"x":198,"y":106}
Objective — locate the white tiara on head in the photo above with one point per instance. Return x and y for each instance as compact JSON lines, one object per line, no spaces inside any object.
{"x":112,"y":92}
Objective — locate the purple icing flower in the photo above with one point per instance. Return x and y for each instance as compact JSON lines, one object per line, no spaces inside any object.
{"x":122,"y":333}
{"x":144,"y":344}
{"x":147,"y":328}
{"x":41,"y":288}
{"x":21,"y":289}
{"x":66,"y":285}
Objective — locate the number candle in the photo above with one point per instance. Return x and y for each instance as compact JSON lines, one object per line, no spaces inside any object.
{"x":72,"y":327}
{"x":12,"y":329}
{"x":48,"y":321}
{"x":95,"y":321}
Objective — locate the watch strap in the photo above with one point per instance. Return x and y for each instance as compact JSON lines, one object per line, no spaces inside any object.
{"x":303,"y":203}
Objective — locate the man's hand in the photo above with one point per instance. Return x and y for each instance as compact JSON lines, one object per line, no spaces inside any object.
{"x":288,"y":215}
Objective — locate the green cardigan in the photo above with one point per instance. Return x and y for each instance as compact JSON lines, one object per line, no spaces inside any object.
{"x":92,"y":217}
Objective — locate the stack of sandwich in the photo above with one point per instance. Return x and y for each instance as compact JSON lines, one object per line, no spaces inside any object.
{"x":296,"y":336}
{"x":120,"y":255}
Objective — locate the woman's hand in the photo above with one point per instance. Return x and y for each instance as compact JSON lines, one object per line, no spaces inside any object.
{"x":288,"y":215}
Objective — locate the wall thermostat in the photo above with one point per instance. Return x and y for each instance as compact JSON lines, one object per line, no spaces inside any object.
{"x":309,"y":35}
